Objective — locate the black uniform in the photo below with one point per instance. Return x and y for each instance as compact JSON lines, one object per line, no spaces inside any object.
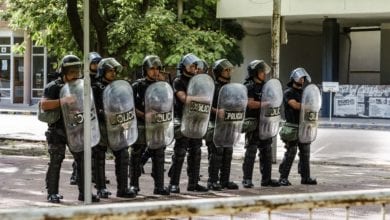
{"x":184,"y":145}
{"x":253,"y":142}
{"x":292,"y":116}
{"x":157,"y":155}
{"x":220,"y":158}
{"x":121,"y":156}
{"x":56,"y":139}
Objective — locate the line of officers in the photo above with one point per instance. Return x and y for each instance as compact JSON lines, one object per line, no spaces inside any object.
{"x":140,"y":115}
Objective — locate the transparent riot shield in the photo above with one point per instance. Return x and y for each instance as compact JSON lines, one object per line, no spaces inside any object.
{"x":310,"y":107}
{"x":72,"y":100}
{"x":159,"y":115}
{"x":119,"y":111}
{"x":272,"y":98}
{"x":197,"y":108}
{"x":232,"y":102}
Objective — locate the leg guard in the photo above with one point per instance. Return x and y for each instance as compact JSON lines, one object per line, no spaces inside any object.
{"x":304,"y":164}
{"x":57,"y":155}
{"x":135,"y":165}
{"x":180,"y":150}
{"x":288,"y":159}
{"x":158,"y":158}
{"x":265,"y":155}
{"x":215,"y":162}
{"x":193,"y":164}
{"x":73,"y":176}
{"x":249,"y":161}
{"x":227,"y":156}
{"x":99,"y":161}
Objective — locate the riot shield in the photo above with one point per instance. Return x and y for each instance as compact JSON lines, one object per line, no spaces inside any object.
{"x":72,"y":112}
{"x":232,"y":102}
{"x":159,"y":115}
{"x":197,"y":108}
{"x":119,"y":111}
{"x":272,"y":98}
{"x":308,"y":118}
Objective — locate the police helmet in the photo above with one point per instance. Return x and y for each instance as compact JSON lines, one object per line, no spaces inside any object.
{"x":203,"y":66}
{"x":186,"y":60}
{"x":94,"y":57}
{"x":108,"y":63}
{"x":69,"y":61}
{"x":150,"y":61}
{"x":298,"y":73}
{"x":255,"y":66}
{"x":220,"y":65}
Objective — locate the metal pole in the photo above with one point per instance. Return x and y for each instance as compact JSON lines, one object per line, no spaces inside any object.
{"x":330,"y":105}
{"x":275,"y":50}
{"x":87,"y":110}
{"x":275,"y":54}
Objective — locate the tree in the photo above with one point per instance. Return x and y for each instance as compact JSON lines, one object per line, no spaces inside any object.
{"x":128,"y":29}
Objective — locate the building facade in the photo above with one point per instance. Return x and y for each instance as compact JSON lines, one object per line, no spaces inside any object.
{"x":345,"y":41}
{"x":22,"y":76}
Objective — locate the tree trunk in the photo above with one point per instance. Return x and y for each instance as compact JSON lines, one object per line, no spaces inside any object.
{"x":75,"y":23}
{"x":100,"y":26}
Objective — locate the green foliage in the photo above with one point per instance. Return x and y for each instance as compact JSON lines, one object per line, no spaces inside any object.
{"x":135,"y":28}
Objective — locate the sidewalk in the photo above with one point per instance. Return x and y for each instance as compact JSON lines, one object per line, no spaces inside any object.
{"x":335,"y":122}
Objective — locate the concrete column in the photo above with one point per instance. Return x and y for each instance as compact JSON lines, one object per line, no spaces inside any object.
{"x":385,"y":54}
{"x":27,"y":70}
{"x":330,"y":58}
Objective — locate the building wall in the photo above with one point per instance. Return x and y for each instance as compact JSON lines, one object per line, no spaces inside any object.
{"x":263,"y":8}
{"x":303,"y":49}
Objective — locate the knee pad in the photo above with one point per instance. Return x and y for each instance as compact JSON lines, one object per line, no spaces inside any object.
{"x":250,"y":150}
{"x":180,"y":153}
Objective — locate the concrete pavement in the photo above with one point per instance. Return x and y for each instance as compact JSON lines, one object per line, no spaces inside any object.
{"x":23,"y":164}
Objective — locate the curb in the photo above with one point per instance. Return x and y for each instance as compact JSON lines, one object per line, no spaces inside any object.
{"x":354,"y":126}
{"x":18,"y":112}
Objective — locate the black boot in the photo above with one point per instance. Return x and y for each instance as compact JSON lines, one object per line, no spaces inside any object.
{"x":54,"y":198}
{"x":94,"y":198}
{"x":247,"y":183}
{"x":122,"y":171}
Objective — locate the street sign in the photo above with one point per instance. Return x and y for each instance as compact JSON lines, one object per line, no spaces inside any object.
{"x":330,"y":86}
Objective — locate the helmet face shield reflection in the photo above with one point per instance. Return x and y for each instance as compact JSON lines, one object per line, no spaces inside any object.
{"x":298,"y":73}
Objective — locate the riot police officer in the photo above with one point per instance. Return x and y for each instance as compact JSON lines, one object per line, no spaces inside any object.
{"x":107,"y":70}
{"x":93,"y":58}
{"x":220,"y":158}
{"x":255,"y":80}
{"x":292,"y":105}
{"x":70,"y":70}
{"x":151,"y":67}
{"x":187,"y":68}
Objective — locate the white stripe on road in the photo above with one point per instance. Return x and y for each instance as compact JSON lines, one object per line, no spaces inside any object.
{"x":320,"y":149}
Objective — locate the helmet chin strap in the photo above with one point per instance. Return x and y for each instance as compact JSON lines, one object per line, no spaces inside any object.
{"x":188,"y":74}
{"x":225,"y":78}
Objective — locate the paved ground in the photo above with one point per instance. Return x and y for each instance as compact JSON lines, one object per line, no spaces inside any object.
{"x":23,"y":164}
